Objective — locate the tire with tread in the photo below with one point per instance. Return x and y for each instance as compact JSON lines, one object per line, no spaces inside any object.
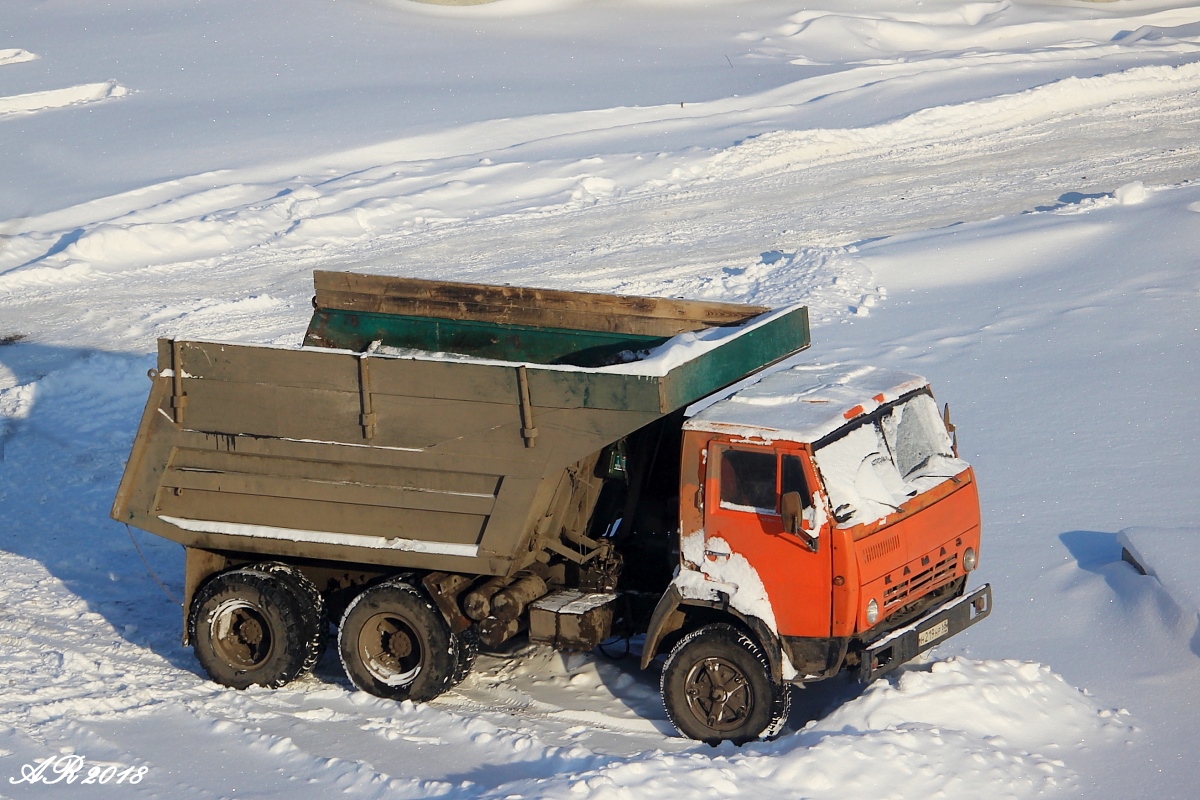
{"x":466,"y":650}
{"x":250,"y":628}
{"x":394,"y":643}
{"x":716,"y":685}
{"x":317,"y":621}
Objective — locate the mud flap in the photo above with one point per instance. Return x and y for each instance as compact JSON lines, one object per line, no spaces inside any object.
{"x":661,"y":623}
{"x":907,"y":643}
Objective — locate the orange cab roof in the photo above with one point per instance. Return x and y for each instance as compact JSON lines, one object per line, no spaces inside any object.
{"x":805,"y":402}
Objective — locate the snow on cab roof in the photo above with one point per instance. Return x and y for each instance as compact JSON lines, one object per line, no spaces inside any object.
{"x":805,"y":402}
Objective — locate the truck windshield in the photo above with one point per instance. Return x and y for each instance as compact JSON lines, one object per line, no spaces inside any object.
{"x":886,"y":459}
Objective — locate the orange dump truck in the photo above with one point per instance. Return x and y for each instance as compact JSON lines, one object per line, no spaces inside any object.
{"x":447,"y":466}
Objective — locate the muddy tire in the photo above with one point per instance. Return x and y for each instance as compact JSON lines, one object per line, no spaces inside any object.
{"x":250,"y":628}
{"x":394,"y":643}
{"x":316,"y":624}
{"x":717,"y":686}
{"x":466,"y":650}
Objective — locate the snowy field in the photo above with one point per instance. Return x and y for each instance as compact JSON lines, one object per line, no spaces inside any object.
{"x":1001,"y":196}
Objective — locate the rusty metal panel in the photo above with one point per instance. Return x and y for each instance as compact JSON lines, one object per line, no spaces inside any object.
{"x":361,"y":494}
{"x":516,"y":305}
{"x":350,"y":454}
{"x":235,"y":514}
{"x":270,"y":366}
{"x":281,"y":412}
{"x":340,"y":473}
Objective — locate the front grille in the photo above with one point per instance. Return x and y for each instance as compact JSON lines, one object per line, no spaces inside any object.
{"x":918,"y":583}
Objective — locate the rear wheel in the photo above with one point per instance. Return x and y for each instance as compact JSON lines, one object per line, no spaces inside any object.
{"x":394,"y":643}
{"x":716,"y":686}
{"x":249,"y":628}
{"x":466,"y":650}
{"x":316,"y":623}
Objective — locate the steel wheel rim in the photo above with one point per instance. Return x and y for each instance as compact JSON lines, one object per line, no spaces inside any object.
{"x":241,"y":634}
{"x":718,"y":694}
{"x":390,"y":649}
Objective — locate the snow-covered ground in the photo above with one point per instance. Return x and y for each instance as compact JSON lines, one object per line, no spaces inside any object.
{"x":1000,"y":196}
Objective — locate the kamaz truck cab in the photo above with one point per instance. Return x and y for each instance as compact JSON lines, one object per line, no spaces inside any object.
{"x":825,"y":511}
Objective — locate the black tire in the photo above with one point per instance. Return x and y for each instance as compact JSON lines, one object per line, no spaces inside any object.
{"x":250,"y":628}
{"x":717,"y":686}
{"x":394,"y":643}
{"x":466,"y":650}
{"x":316,"y":624}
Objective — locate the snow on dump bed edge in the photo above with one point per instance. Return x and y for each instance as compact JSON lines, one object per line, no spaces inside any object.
{"x":1170,"y":554}
{"x":690,"y":345}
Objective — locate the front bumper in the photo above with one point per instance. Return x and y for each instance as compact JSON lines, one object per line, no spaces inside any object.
{"x":905,"y":644}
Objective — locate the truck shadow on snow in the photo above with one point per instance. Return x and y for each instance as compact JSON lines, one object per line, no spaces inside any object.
{"x":1140,"y":594}
{"x":67,"y":420}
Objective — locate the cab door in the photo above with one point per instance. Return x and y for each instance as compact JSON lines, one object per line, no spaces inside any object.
{"x":742,"y":516}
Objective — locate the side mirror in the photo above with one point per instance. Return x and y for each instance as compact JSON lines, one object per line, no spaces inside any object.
{"x":950,"y":429}
{"x":792,"y":510}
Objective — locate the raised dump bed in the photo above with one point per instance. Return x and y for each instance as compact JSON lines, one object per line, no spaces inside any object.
{"x":423,"y":424}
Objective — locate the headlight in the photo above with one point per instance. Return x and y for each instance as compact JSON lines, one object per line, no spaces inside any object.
{"x":970,"y":560}
{"x":872,"y":612}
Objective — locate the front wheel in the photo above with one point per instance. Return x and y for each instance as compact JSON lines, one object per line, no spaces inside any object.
{"x":716,"y":686}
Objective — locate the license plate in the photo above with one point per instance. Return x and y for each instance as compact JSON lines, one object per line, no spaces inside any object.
{"x":931,"y":634}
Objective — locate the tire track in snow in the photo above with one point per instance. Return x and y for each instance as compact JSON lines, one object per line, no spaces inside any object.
{"x":829,"y":189}
{"x":784,"y":190}
{"x":768,"y":220}
{"x":815,"y":36}
{"x":960,"y":151}
{"x":705,"y":224}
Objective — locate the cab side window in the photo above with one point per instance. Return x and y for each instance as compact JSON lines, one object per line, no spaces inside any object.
{"x":793,"y":480}
{"x":748,"y":480}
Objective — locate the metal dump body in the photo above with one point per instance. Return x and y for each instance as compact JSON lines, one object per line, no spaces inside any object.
{"x":349,"y":453}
